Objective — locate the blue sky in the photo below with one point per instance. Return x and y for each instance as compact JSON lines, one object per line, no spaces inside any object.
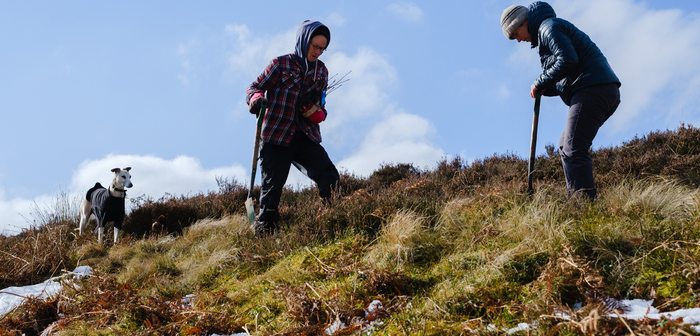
{"x":159,"y":86}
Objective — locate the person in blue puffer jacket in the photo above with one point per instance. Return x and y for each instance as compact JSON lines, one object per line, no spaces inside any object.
{"x":575,"y":69}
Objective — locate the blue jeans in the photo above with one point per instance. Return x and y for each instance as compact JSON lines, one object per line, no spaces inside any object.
{"x":275,"y":161}
{"x":590,"y":108}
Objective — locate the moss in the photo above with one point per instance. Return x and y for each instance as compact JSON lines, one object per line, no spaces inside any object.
{"x":479,"y":251}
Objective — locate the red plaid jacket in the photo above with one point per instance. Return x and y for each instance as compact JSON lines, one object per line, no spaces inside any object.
{"x":285,"y":82}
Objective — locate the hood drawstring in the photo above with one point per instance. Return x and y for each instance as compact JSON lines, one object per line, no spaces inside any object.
{"x":315,"y":68}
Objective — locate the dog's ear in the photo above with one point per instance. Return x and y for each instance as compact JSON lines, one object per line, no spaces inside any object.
{"x":127,"y":168}
{"x":115,"y":170}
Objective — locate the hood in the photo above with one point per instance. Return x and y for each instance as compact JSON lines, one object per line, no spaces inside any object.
{"x":537,"y":12}
{"x":304,"y":32}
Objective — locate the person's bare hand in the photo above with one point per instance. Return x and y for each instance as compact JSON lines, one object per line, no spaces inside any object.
{"x":533,"y":91}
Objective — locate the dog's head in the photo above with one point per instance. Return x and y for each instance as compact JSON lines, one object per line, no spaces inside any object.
{"x":122,"y":178}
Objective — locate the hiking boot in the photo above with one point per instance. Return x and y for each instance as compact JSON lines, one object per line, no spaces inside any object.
{"x":264,"y":229}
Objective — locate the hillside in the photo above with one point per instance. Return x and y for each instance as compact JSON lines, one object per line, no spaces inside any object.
{"x":458,"y":250}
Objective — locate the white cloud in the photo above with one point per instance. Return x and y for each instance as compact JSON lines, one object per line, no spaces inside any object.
{"x":15,"y":214}
{"x":363,"y":95}
{"x":334,"y":20}
{"x":406,"y":10}
{"x":360,"y":112}
{"x":251,"y":52}
{"x":400,"y":138}
{"x":365,"y":92}
{"x":653,"y":52}
{"x":154,"y":176}
{"x":185,"y":51}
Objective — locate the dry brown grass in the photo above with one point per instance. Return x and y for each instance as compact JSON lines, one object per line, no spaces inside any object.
{"x":448,"y":252}
{"x":397,"y":240}
{"x":660,"y":197}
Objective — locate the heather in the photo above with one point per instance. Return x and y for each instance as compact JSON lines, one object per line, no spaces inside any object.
{"x":460,"y":249}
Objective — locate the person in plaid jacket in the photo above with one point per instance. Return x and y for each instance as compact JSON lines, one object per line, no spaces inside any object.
{"x":293,"y":86}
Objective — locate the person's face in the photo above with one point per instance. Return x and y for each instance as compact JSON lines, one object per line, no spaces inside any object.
{"x":316,"y":47}
{"x":521,"y":34}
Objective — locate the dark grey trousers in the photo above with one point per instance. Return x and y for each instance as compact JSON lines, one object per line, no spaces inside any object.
{"x":275,"y":161}
{"x":590,"y":108}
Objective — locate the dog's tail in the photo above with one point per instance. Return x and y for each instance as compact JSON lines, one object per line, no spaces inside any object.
{"x":88,"y":196}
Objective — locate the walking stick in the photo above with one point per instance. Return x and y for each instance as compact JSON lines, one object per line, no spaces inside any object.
{"x":250,"y":209}
{"x":533,"y":143}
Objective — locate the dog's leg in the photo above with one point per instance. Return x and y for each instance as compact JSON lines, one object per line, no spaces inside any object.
{"x":100,"y":229}
{"x":85,"y":212}
{"x":116,"y":234}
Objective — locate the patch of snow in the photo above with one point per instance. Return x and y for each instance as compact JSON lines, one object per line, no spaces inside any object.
{"x":11,"y":297}
{"x":335,"y":327}
{"x":636,"y":309}
{"x":373,"y":308}
{"x":520,"y":327}
{"x":639,"y":309}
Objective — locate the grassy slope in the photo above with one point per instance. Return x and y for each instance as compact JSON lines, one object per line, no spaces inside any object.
{"x":447,"y":252}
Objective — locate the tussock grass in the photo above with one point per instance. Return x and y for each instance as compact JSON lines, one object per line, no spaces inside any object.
{"x":459,"y":250}
{"x":209,"y":247}
{"x":663,"y":198}
{"x":43,"y":249}
{"x":398,"y":240}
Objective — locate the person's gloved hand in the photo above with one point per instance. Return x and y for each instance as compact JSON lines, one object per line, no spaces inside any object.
{"x":310,"y":108}
{"x":318,"y":116}
{"x":313,"y":112}
{"x":256,"y":101}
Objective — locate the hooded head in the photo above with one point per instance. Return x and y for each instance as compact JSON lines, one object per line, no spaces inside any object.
{"x":537,"y":12}
{"x":307,"y":30}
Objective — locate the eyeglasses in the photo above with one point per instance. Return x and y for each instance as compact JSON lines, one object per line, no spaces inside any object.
{"x":317,"y":48}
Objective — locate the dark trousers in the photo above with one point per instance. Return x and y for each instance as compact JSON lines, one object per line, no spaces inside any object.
{"x":275,"y":161}
{"x":590,"y":108}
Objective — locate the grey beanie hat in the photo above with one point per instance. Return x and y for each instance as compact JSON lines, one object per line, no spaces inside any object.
{"x":512,"y":18}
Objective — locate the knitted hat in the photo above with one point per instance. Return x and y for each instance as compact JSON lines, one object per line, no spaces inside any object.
{"x":322,"y":30}
{"x":512,"y":18}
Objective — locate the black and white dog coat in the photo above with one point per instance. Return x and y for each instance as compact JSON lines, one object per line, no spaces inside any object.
{"x":106,"y":207}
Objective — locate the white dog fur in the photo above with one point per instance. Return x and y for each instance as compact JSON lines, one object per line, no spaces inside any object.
{"x":121,"y":180}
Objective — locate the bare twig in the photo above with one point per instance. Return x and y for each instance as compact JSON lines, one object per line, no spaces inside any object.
{"x":336,"y":83}
{"x":663,"y":245}
{"x":328,"y":269}
{"x":321,"y":298}
{"x":681,"y":331}
{"x":625,"y":323}
{"x":16,"y":257}
{"x":569,"y":320}
{"x":22,"y":296}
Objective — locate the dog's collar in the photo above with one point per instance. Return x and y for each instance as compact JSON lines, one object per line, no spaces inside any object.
{"x":119,"y":190}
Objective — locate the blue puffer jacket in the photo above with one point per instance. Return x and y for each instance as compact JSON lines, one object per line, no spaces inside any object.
{"x":570,"y":60}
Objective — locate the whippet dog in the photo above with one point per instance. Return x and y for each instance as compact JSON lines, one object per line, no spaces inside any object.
{"x":107,"y":204}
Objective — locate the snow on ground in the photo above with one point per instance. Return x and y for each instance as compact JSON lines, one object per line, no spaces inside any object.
{"x":636,"y":309}
{"x":12,"y":297}
{"x":641,"y":308}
